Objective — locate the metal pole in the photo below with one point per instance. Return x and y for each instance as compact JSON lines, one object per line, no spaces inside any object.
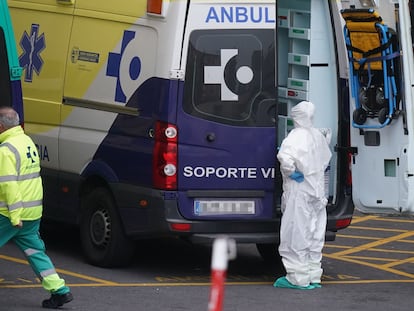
{"x":223,"y":250}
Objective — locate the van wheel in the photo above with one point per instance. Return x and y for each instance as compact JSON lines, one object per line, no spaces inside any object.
{"x":103,"y":240}
{"x":270,"y":253}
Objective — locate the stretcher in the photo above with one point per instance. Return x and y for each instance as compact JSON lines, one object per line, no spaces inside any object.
{"x":373,"y":60}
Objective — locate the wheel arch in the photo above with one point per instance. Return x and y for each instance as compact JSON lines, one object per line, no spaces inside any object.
{"x":96,"y":174}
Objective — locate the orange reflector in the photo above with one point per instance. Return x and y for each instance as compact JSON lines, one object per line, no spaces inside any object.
{"x":143,"y":203}
{"x":343,"y":223}
{"x":180,"y":227}
{"x":154,"y":6}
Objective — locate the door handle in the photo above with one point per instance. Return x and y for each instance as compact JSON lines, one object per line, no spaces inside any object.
{"x":66,"y":2}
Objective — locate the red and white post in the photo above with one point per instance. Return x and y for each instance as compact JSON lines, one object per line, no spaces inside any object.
{"x":224,"y":249}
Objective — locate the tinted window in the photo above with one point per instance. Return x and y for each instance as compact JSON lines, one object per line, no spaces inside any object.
{"x":230,"y":77}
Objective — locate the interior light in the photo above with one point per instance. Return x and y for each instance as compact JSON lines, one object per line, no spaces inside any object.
{"x":368,"y":3}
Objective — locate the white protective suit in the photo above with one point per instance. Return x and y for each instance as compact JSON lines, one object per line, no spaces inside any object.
{"x":303,"y":225}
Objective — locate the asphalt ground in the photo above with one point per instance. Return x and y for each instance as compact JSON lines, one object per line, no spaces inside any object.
{"x":370,"y":266}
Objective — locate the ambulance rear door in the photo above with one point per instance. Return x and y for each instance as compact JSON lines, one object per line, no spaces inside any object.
{"x":227,"y":141}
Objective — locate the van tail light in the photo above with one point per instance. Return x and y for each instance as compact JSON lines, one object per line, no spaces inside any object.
{"x":164,"y":161}
{"x":154,"y":6}
{"x":343,"y":223}
{"x":183,"y":227}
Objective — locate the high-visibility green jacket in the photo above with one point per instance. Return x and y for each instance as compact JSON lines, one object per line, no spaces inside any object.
{"x":21,"y":191}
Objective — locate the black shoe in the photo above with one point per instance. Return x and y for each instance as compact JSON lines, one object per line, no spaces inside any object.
{"x":55,"y":301}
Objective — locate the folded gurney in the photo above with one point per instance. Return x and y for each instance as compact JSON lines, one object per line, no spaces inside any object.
{"x":373,"y":57}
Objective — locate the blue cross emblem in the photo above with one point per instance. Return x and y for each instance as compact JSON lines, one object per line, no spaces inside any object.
{"x":30,"y":154}
{"x":114,"y":61}
{"x":32,"y":45}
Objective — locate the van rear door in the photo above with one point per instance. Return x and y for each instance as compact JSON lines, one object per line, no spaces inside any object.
{"x":227,"y":141}
{"x":382,"y":169}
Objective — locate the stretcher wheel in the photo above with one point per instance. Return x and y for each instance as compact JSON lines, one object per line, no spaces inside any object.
{"x":383,"y":115}
{"x":360,"y":116}
{"x":379,"y":97}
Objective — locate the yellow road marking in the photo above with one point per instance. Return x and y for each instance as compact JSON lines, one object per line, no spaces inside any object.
{"x":337,"y":246}
{"x":343,"y":255}
{"x":25,"y":281}
{"x":368,"y":264}
{"x":379,"y":250}
{"x":368,"y":281}
{"x":406,"y":241}
{"x":14,"y":259}
{"x":373,"y":258}
{"x":358,"y":237}
{"x":376,"y":243}
{"x":410,"y":221}
{"x":358,"y":219}
{"x":395,"y":251}
{"x":378,"y":229}
{"x":208,"y":284}
{"x":399,"y":262}
{"x":66,"y":272}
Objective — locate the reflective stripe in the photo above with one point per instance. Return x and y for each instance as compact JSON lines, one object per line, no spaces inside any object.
{"x":47,"y":272}
{"x":32,"y":203}
{"x":15,"y":206}
{"x":29,"y":176}
{"x":19,"y":178}
{"x":31,"y":251}
{"x":16,"y":154}
{"x":8,"y":178}
{"x":21,"y":204}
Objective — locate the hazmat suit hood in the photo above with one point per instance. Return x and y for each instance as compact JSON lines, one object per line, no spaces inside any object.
{"x":302,"y":114}
{"x":305,"y":149}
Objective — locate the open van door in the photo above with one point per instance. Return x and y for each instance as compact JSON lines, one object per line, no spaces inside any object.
{"x":380,"y":61}
{"x":10,"y":70}
{"x":310,"y":49}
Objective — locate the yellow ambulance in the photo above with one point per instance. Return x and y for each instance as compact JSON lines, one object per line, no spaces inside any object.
{"x":162,"y":118}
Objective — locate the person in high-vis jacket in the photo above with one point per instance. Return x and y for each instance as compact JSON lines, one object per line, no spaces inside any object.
{"x":21,"y":195}
{"x":304,"y":156}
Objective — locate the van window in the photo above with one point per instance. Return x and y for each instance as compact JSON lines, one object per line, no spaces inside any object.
{"x":230,"y":77}
{"x":5,"y":93}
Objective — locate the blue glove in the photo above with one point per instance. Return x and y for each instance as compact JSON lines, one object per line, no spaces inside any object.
{"x":297,"y":176}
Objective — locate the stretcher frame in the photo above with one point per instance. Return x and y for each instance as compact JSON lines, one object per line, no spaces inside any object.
{"x":370,"y":47}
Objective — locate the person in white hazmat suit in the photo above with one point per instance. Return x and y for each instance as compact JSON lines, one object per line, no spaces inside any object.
{"x":304,"y":156}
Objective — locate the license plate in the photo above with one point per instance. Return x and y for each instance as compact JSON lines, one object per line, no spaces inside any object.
{"x":211,"y":207}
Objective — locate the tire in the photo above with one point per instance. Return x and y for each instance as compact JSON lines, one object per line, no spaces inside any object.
{"x":360,"y":116}
{"x":102,"y":237}
{"x":383,"y":115}
{"x":270,"y":254}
